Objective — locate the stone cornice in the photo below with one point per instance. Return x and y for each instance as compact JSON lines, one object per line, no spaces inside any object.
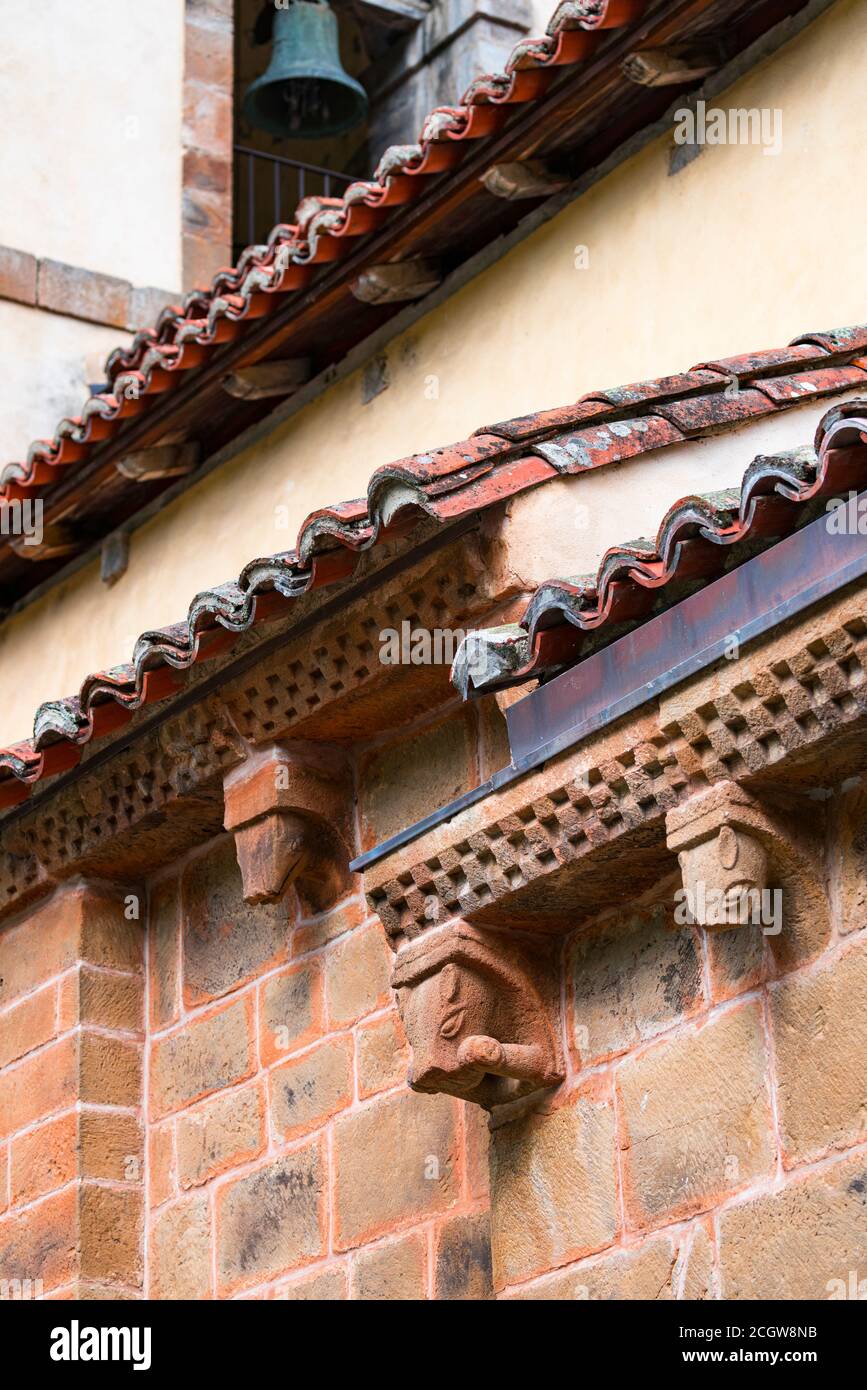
{"x":155,"y":797}
{"x":589,"y":828}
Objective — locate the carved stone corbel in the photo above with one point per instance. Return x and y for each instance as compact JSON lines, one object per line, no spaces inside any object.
{"x":740,"y":857}
{"x":480,"y":1010}
{"x":288,"y":807}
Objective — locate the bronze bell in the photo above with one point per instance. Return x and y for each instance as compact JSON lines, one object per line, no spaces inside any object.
{"x":305,"y":94}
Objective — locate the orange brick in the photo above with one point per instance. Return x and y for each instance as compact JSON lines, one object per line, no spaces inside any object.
{"x":358,"y":975}
{"x":272,"y":1220}
{"x":165,"y":973}
{"x":225,"y":941}
{"x":394,"y":1159}
{"x":111,"y":1001}
{"x":346,"y":916}
{"x":181,"y":1250}
{"x":161,"y":1164}
{"x":27,"y":1025}
{"x":111,"y":1146}
{"x":391,"y":1273}
{"x":111,"y":1070}
{"x":695,"y":1116}
{"x":566,"y":1160}
{"x":328,"y":1287}
{"x":306,"y":1091}
{"x":43,"y":1242}
{"x":76,"y":923}
{"x":39,"y":1086}
{"x":383,"y":1055}
{"x":211,"y":1052}
{"x":290,"y":1011}
{"x":223,"y":1133}
{"x":112,"y":1225}
{"x":44,"y":1159}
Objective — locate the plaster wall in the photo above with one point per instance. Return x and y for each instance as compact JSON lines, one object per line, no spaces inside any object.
{"x":90,"y":97}
{"x":48,"y":363}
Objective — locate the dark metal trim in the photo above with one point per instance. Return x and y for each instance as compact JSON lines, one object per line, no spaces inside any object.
{"x":761,"y":594}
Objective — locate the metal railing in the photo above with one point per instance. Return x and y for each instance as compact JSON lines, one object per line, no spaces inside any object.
{"x":269,"y":186}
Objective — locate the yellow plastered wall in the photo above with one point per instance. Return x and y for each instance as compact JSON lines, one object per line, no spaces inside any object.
{"x":737,"y":252}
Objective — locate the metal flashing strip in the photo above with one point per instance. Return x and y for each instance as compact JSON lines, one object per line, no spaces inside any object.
{"x":745,"y":604}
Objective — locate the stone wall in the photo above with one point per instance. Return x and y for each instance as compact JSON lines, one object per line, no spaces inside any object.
{"x":709,"y":1141}
{"x":287,"y":1157}
{"x":71,"y":1129}
{"x":203,"y":1098}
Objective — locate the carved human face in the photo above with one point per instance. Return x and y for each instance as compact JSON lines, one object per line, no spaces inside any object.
{"x":721,"y":874}
{"x":438,"y":1013}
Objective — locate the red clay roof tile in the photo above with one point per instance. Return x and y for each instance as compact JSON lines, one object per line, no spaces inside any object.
{"x":448,"y":484}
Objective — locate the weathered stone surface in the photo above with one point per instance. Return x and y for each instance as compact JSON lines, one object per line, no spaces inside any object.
{"x":221,"y":1134}
{"x":161,"y":1164}
{"x":180,"y":1250}
{"x":76,"y":923}
{"x":211,"y":1052}
{"x":111,"y":1146}
{"x":39,"y":1086}
{"x":414,"y":776}
{"x":271,"y":1220}
{"x":383,"y":1055}
{"x":290,"y":1011}
{"x":44,"y":1158}
{"x":631,"y":978}
{"x":391,"y":1273}
{"x":111,"y":1235}
{"x":225,"y":941}
{"x":17,"y":275}
{"x":311,"y":934}
{"x":411,"y":1138}
{"x":357,"y":975}
{"x":736,"y":961}
{"x":27,"y":1025}
{"x":567,"y":1160}
{"x":819,"y":1021}
{"x":328,"y":1287}
{"x":306,"y":1091}
{"x":164,"y":927}
{"x":795,"y":1242}
{"x":463,"y":1258}
{"x":697,"y":1255}
{"x":696,"y":1118}
{"x":42,"y":1242}
{"x":83,"y":294}
{"x":110,"y":1070}
{"x":645,"y":1273}
{"x":106,"y":1000}
{"x":847,"y":833}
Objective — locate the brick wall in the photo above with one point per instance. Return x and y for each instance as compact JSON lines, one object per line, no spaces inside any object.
{"x":287,"y":1157}
{"x":711,"y":1140}
{"x":71,"y":1135}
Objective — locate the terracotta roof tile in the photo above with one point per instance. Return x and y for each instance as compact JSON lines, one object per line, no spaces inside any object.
{"x":185,"y":334}
{"x":699,"y":538}
{"x":448,"y":484}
